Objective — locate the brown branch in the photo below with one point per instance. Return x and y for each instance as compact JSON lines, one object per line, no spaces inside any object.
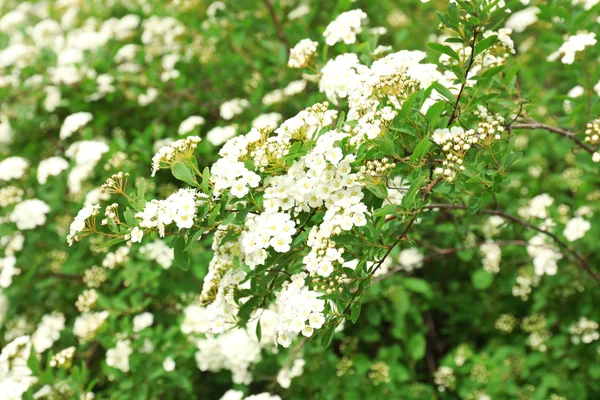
{"x":580,"y":260}
{"x":564,"y":133}
{"x":464,"y":84}
{"x":425,"y":196}
{"x":278,"y":27}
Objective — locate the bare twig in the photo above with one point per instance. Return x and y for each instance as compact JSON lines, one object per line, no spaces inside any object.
{"x":278,"y":27}
{"x":579,"y":259}
{"x":562,"y":132}
{"x":462,"y":86}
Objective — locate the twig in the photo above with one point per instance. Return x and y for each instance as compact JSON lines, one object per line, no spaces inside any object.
{"x":564,"y":133}
{"x":462,"y":86}
{"x":278,"y":28}
{"x":580,"y":260}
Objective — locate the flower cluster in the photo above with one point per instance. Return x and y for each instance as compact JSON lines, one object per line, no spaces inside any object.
{"x":301,"y":310}
{"x":73,"y":123}
{"x":573,"y":45}
{"x":345,"y":27}
{"x":178,"y":208}
{"x":275,"y":230}
{"x":302,"y":54}
{"x":48,"y":332}
{"x":118,"y":356}
{"x":179,"y":150}
{"x":455,"y":142}
{"x":584,"y":331}
{"x":545,"y":256}
{"x":592,"y":132}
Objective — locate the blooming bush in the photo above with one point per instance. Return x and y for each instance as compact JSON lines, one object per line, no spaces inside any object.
{"x":292,"y":199}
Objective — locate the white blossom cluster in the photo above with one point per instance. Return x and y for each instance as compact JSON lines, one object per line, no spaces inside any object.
{"x":80,"y":222}
{"x":171,"y":153}
{"x":179,"y":208}
{"x":573,"y":45}
{"x":345,"y":27}
{"x":8,"y":269}
{"x":537,"y":207}
{"x":29,"y":214}
{"x":48,"y":331}
{"x":87,"y":325}
{"x":73,"y":123}
{"x":52,"y":166}
{"x":221,"y":134}
{"x":118,"y":356}
{"x":13,"y":168}
{"x":116,"y":258}
{"x":233,"y":107}
{"x":233,"y":394}
{"x":492,"y":255}
{"x":576,"y":228}
{"x":584,"y":331}
{"x":545,"y":255}
{"x":300,"y":310}
{"x":15,"y":375}
{"x":189,"y":124}
{"x":302,"y":54}
{"x":285,"y":375}
{"x":86,"y":154}
{"x":160,"y":252}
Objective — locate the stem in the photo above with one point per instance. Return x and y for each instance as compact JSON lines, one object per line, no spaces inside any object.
{"x":562,"y":132}
{"x":579,"y":259}
{"x":278,"y":27}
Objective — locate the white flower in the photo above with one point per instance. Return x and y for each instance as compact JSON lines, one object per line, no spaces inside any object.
{"x":12,"y":168}
{"x":169,"y":364}
{"x":576,"y":229}
{"x":87,"y":325}
{"x":52,"y":166}
{"x":545,"y":256}
{"x":302,"y":54}
{"x":344,"y":27}
{"x":220,"y":134}
{"x":142,"y":321}
{"x":596,"y":157}
{"x":73,"y":123}
{"x":136,"y":235}
{"x":520,"y":20}
{"x":190,"y":124}
{"x":29,"y":214}
{"x":118,"y":357}
{"x":8,"y":270}
{"x":573,"y":45}
{"x":233,"y":107}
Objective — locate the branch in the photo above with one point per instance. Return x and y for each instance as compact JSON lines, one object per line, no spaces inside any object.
{"x":425,"y":196}
{"x":580,"y":260}
{"x":278,"y":27}
{"x":564,"y":133}
{"x":462,"y":86}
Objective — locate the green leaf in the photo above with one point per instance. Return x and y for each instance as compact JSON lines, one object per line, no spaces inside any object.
{"x":444,"y":50}
{"x":482,"y":279}
{"x":416,"y":346}
{"x":421,"y":149}
{"x":213,"y":214}
{"x":182,"y":257}
{"x":418,"y":286}
{"x":205,"y":179}
{"x":183,"y":172}
{"x":141,"y":191}
{"x":485,"y":44}
{"x":475,"y":203}
{"x":129,"y":218}
{"x":258,"y":330}
{"x":355,"y":311}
